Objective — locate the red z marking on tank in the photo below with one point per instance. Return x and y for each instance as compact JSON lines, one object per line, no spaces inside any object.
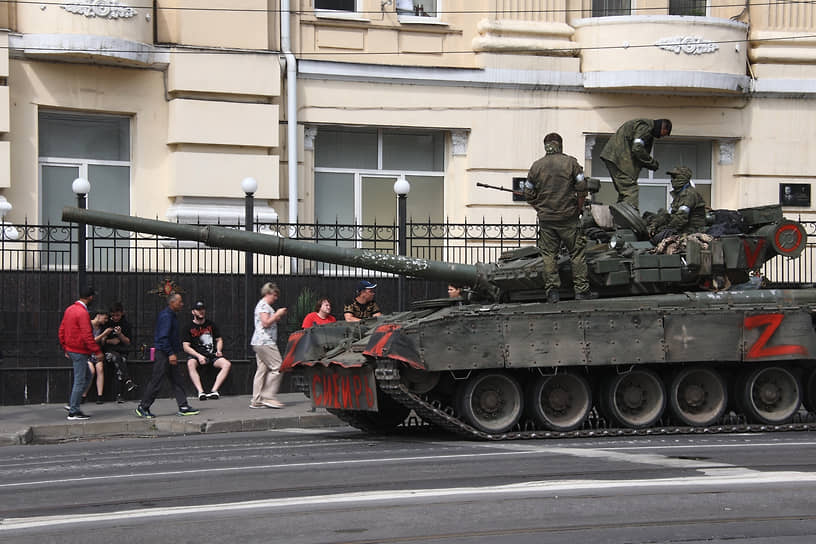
{"x":289,"y":359}
{"x":771,"y":322}
{"x":751,"y":256}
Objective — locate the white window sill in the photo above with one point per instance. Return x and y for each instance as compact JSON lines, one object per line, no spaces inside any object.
{"x":419,"y":20}
{"x":340,"y":16}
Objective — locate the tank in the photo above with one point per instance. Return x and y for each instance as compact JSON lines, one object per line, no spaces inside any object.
{"x":675,"y":343}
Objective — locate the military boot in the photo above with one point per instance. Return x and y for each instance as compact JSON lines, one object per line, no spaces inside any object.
{"x":553,"y":296}
{"x":586,"y":295}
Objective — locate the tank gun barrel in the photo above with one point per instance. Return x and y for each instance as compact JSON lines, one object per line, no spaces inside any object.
{"x":217,"y":236}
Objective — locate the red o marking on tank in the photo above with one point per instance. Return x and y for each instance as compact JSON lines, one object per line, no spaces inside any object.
{"x":782,"y":230}
{"x":758,"y":348}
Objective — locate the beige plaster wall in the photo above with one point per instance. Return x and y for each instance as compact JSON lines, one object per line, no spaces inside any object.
{"x":378,"y":35}
{"x":222,"y":123}
{"x":5,"y":164}
{"x":48,"y":17}
{"x":243,"y":24}
{"x":4,"y":109}
{"x":506,"y":126}
{"x":138,"y":93}
{"x":217,"y":173}
{"x":249,"y":75}
{"x":4,"y":56}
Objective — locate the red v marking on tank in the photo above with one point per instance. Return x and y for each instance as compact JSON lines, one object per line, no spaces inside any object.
{"x":751,"y":256}
{"x":771,"y":323}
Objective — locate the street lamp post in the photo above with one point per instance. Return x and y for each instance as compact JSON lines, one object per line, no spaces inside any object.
{"x":401,"y":188}
{"x":249,"y":186}
{"x":81,"y":187}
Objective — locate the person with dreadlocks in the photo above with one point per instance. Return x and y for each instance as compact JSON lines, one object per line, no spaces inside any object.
{"x":551,"y":189}
{"x":629,"y":150}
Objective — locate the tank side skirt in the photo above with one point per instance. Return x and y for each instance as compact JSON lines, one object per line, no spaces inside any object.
{"x":606,"y":338}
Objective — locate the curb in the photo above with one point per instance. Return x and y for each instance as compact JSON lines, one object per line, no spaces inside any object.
{"x":17,"y":437}
{"x":162,"y":426}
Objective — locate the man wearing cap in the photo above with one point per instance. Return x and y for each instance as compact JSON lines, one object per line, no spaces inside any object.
{"x":552,"y":186}
{"x":688,"y":213}
{"x":629,"y":150}
{"x":203,"y":342}
{"x":167,"y":341}
{"x":362,"y":306}
{"x":77,"y":340}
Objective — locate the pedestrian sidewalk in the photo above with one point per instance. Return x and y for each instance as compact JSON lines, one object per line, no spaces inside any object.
{"x":47,"y":423}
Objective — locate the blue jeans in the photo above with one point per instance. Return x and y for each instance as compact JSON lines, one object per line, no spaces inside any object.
{"x":82,"y":377}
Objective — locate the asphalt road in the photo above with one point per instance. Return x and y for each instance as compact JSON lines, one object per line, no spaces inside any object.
{"x":341,"y":486}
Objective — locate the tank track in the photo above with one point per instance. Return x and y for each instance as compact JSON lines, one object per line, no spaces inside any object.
{"x":439,"y":416}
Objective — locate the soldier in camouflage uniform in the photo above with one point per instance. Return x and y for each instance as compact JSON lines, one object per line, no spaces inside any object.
{"x":629,"y":150}
{"x":688,"y":213}
{"x":551,"y":187}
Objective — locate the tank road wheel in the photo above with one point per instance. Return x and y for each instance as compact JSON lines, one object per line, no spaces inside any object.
{"x":560,"y":402}
{"x":771,"y":395}
{"x":809,"y":398}
{"x":635,"y":399}
{"x":491,"y":402}
{"x":698,"y":396}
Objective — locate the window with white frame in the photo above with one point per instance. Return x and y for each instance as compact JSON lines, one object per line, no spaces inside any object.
{"x":355,"y":171}
{"x":336,"y":5}
{"x":655,"y":187}
{"x":418,"y":8}
{"x":94,"y":147}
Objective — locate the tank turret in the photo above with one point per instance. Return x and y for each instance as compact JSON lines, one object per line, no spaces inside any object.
{"x":623,"y":266}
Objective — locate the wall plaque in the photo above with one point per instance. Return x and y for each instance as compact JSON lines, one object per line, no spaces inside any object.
{"x":794,"y":194}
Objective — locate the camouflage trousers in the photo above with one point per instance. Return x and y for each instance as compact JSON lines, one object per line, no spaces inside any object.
{"x":625,"y":185}
{"x":550,"y":236}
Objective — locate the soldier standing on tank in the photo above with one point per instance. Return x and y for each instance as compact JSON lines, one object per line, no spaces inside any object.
{"x":551,"y":187}
{"x":629,"y":150}
{"x":688,"y":213}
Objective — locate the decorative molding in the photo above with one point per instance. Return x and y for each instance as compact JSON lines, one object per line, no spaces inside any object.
{"x":309,"y":135}
{"x":106,"y":9}
{"x":690,"y":45}
{"x":728,"y":149}
{"x":589,"y":145}
{"x":459,"y":142}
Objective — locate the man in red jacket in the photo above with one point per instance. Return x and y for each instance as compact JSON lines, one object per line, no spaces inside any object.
{"x":77,"y":340}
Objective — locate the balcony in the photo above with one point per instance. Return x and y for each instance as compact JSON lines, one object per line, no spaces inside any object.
{"x":663,"y":53}
{"x":113,"y":32}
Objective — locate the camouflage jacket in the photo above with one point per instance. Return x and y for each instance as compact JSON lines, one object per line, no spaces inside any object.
{"x":630,"y":146}
{"x":692,"y":217}
{"x":555,"y":178}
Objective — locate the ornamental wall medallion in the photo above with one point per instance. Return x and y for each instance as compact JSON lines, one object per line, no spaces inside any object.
{"x":107,"y":9}
{"x":690,"y":45}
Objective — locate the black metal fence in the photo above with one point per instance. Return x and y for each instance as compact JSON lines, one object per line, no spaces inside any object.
{"x":39,"y":268}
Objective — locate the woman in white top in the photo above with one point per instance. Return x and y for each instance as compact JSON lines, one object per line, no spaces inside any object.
{"x":264,"y":341}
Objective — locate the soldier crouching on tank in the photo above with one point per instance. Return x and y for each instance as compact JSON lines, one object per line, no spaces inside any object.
{"x":688,"y":213}
{"x":551,"y":187}
{"x":629,"y":150}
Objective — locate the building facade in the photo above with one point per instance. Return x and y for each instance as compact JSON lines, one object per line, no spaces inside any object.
{"x":166,"y":106}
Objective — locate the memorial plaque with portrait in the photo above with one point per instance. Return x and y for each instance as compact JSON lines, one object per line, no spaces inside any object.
{"x":794,"y":194}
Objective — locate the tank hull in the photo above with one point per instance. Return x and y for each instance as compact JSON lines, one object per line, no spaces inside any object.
{"x":694,"y":359}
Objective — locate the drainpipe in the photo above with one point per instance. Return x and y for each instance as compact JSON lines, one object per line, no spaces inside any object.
{"x":291,"y":109}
